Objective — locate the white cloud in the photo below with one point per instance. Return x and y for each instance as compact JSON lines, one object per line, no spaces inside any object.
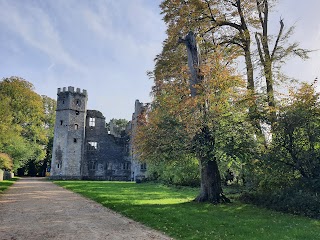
{"x":99,"y":21}
{"x":131,"y":29}
{"x":104,"y":46}
{"x":35,"y":28}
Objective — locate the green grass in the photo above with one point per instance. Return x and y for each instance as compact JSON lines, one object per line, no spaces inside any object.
{"x":171,"y":211}
{"x":6,"y":183}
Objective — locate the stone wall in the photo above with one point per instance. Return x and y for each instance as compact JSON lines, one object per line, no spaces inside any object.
{"x":104,"y":153}
{"x":138,"y":169}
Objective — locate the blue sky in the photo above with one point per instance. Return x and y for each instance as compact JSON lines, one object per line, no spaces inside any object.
{"x":107,"y":46}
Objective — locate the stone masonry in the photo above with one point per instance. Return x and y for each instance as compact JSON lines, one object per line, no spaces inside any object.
{"x":84,"y":149}
{"x":69,"y":134}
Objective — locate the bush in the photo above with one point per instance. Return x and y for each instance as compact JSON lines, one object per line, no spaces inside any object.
{"x":184,"y":172}
{"x":293,"y":200}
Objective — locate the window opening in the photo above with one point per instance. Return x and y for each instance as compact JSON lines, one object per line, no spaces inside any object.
{"x":92,"y":166}
{"x":77,"y":112}
{"x":61,"y":122}
{"x":92,"y":145}
{"x":76,"y":126}
{"x":92,"y":122}
{"x":143,"y":166}
{"x":126,"y":166}
{"x":58,"y":165}
{"x":74,"y":140}
{"x":109,"y":166}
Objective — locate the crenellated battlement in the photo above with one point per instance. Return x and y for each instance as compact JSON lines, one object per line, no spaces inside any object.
{"x":71,"y":90}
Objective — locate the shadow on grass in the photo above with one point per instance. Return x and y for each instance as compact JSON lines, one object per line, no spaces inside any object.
{"x":171,"y":211}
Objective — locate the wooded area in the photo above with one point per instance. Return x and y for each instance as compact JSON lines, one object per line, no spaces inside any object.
{"x":247,"y":129}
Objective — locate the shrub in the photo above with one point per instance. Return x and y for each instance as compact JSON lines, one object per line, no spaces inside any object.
{"x":184,"y":172}
{"x":295,"y":200}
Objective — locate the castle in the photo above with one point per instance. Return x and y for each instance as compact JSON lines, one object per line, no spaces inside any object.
{"x":83,"y":148}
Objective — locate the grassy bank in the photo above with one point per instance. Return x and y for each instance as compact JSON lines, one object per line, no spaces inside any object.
{"x":170,"y":211}
{"x":6,"y":183}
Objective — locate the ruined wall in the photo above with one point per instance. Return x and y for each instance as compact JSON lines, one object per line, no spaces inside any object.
{"x":68,"y":143}
{"x":138,"y":169}
{"x":82,"y":147}
{"x":104,"y":153}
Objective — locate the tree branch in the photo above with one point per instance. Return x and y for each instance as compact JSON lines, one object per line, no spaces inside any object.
{"x":231,"y":2}
{"x":259,"y":11}
{"x":243,"y":21}
{"x":278,"y":39}
{"x":259,"y":47}
{"x":221,"y":23}
{"x":208,"y":4}
{"x":232,"y":41}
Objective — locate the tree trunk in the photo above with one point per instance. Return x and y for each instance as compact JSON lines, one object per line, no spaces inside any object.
{"x":211,"y":190}
{"x":270,"y":92}
{"x":193,"y":61}
{"x":265,"y":57}
{"x":248,"y":60}
{"x":253,"y":109}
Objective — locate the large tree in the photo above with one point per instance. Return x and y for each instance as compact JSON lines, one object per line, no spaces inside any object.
{"x":23,"y":126}
{"x":233,"y":24}
{"x":224,"y":23}
{"x":191,"y":118}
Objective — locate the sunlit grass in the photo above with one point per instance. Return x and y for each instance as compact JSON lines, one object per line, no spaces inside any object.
{"x":171,"y":211}
{"x":6,"y":183}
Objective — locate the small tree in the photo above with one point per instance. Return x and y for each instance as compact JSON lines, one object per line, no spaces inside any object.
{"x":297,"y":133}
{"x":271,"y":55}
{"x":118,"y":126}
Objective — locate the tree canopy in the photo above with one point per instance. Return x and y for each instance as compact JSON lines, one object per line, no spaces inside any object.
{"x":204,"y":109}
{"x":26,"y":122}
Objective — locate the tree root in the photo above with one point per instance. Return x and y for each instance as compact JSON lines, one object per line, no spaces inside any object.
{"x":220,"y":199}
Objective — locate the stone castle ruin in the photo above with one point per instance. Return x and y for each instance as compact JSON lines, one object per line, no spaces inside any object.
{"x":83,"y":148}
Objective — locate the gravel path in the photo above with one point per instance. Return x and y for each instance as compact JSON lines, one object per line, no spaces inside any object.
{"x":33,"y":208}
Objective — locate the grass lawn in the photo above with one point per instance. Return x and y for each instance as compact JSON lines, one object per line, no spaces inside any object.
{"x":6,"y":183}
{"x":171,"y":211}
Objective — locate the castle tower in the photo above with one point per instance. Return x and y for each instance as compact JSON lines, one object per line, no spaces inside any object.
{"x":69,"y":134}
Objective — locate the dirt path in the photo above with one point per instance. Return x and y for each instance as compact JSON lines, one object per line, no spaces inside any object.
{"x":34,"y":208}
